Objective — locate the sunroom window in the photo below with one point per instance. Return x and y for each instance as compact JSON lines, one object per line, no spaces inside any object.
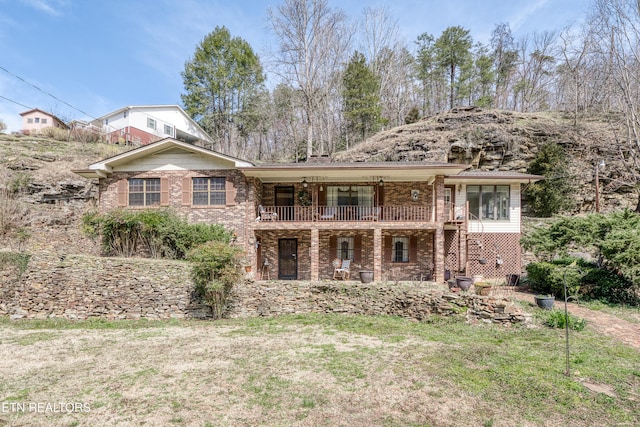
{"x":488,"y":202}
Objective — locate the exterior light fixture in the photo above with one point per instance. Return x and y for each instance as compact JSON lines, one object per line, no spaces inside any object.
{"x":381,"y":183}
{"x":304,"y":183}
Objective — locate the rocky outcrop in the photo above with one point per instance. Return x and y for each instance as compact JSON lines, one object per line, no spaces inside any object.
{"x":509,"y":141}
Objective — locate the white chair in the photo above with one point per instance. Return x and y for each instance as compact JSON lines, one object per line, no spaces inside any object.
{"x":264,"y":215}
{"x":329,"y":213}
{"x":370,"y":213}
{"x":342,"y":272}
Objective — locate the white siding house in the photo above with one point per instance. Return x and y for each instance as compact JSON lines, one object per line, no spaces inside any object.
{"x":149,"y":123}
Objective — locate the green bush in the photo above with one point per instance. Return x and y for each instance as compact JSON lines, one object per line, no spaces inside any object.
{"x":549,"y":277}
{"x":558,"y":319}
{"x":216,"y":268}
{"x":584,"y":280}
{"x":158,"y":233}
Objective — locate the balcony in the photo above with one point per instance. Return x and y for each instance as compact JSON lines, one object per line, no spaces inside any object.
{"x":355,"y":214}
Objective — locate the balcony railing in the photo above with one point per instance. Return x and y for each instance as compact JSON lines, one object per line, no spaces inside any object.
{"x":345,"y":213}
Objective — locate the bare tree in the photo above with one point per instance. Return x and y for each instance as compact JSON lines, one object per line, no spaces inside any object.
{"x":616,"y":26}
{"x":313,"y":41}
{"x":535,"y":74}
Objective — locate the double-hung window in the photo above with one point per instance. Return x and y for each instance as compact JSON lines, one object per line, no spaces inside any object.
{"x":488,"y":202}
{"x":151,"y":123}
{"x":345,"y":246}
{"x":400,"y":249}
{"x":144,"y":191}
{"x":209,"y":191}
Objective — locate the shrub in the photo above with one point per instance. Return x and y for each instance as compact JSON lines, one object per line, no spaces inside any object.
{"x":154,"y":232}
{"x":584,"y":280}
{"x":55,"y":133}
{"x":216,"y":268}
{"x":558,"y":319}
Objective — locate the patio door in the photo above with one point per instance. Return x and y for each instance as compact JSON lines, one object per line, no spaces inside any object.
{"x":284,"y":202}
{"x":288,"y":259}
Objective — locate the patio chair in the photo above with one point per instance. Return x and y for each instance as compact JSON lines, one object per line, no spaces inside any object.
{"x":328,"y":214}
{"x":342,"y":272}
{"x":264,"y":215}
{"x":370,"y":213}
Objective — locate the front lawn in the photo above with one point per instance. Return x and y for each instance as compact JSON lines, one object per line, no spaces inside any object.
{"x":313,"y":370}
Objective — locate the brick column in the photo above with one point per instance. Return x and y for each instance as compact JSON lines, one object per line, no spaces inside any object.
{"x":438,"y":235}
{"x":377,"y":254}
{"x":315,"y":254}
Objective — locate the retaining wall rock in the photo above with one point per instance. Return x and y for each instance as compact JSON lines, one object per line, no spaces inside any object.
{"x":83,"y":286}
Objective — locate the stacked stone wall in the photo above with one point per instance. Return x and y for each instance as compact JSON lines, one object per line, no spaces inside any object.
{"x":82,"y":287}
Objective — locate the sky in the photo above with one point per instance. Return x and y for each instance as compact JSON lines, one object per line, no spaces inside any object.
{"x":81,"y":59}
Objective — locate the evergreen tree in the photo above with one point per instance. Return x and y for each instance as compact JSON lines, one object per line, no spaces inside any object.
{"x":551,"y":195}
{"x":453,"y":53}
{"x":361,"y":98}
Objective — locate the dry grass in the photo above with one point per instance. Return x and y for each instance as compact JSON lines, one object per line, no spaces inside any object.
{"x":306,"y":371}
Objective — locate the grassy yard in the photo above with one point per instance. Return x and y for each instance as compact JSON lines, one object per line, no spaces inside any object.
{"x":312,"y":370}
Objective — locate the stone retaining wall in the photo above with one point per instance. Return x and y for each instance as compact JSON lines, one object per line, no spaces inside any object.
{"x":416,"y":301}
{"x":81,"y":287}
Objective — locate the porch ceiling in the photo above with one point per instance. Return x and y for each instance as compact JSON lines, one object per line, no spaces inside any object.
{"x":353,"y":172}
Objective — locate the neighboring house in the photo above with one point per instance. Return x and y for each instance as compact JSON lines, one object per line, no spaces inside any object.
{"x":35,"y":120}
{"x":144,"y":124}
{"x":400,"y":220}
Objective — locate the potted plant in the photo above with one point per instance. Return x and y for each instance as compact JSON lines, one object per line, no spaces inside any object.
{"x":545,"y":302}
{"x":482,"y":288}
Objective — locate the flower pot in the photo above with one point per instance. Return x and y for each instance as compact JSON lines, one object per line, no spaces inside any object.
{"x":545,"y":302}
{"x":482,"y":289}
{"x":366,"y":276}
{"x":464,"y":283}
{"x":247,"y":268}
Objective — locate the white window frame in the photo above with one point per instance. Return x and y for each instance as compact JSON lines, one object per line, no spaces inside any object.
{"x":345,"y":247}
{"x":151,"y":123}
{"x":403,"y":252}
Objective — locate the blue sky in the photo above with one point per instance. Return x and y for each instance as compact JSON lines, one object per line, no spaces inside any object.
{"x":96,"y":56}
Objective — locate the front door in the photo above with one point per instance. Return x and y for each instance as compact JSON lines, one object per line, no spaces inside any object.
{"x":288,"y":259}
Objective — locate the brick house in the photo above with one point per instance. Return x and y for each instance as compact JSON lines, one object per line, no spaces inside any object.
{"x":404,"y":220}
{"x":35,"y":120}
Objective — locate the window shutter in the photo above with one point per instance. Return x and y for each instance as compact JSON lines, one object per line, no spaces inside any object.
{"x":164,"y":191}
{"x":413,"y":249}
{"x":186,"y":191}
{"x":322,"y":197}
{"x":380,"y":196}
{"x":230,"y":192}
{"x":387,"y":248}
{"x":333,"y":250}
{"x":123,"y":193}
{"x":357,"y":249}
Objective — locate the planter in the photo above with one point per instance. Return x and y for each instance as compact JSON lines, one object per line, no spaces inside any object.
{"x":247,"y":268}
{"x":545,"y":302}
{"x":464,"y":283}
{"x":482,"y":288}
{"x":366,"y":276}
{"x":447,"y":274}
{"x":477,"y":278}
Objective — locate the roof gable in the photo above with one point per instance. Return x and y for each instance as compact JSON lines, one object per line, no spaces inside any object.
{"x":165,"y":154}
